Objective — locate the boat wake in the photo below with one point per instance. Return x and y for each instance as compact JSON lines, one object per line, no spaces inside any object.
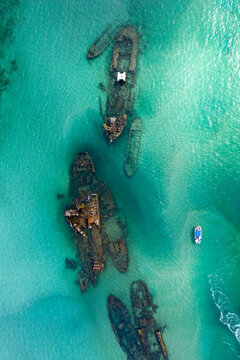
{"x":227,"y":316}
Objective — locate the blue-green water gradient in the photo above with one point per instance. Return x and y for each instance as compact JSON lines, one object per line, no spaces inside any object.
{"x":187,"y":94}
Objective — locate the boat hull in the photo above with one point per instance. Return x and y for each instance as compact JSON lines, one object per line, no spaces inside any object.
{"x":133,"y":147}
{"x":102,"y":42}
{"x":119,"y":254}
{"x":198,"y":234}
{"x":143,"y":309}
{"x":124,"y":330}
{"x":93,"y":206}
{"x":120,"y":95}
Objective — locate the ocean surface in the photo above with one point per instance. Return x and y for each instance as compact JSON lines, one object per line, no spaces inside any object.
{"x":188,"y":96}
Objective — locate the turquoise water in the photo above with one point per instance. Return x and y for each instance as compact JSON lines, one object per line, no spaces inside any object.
{"x":187,"y":94}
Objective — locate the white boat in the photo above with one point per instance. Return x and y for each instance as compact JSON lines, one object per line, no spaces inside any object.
{"x":198,"y":234}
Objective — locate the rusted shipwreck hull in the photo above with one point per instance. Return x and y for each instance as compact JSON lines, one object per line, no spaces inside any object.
{"x":124,"y":330}
{"x":143,"y":339}
{"x":150,"y":333}
{"x":102,"y":42}
{"x":93,"y":204}
{"x":120,"y":96}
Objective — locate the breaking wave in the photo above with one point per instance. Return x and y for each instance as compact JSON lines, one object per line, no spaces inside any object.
{"x":227,"y":316}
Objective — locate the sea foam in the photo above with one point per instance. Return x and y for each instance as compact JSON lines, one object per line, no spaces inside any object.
{"x":222,"y":301}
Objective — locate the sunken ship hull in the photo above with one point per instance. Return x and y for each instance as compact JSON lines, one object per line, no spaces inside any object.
{"x":119,"y":254}
{"x":143,"y":309}
{"x":102,"y":42}
{"x":93,"y":205}
{"x":120,"y":95}
{"x":124,"y":330}
{"x":82,"y":174}
{"x":133,"y":147}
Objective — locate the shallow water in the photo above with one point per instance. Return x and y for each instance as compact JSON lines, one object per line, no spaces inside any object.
{"x":187,"y":94}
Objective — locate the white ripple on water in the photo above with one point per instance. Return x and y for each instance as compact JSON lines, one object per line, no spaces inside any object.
{"x":223,"y":303}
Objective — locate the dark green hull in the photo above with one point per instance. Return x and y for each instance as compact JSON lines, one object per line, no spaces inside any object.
{"x":133,"y":147}
{"x":124,"y":330}
{"x":143,"y":309}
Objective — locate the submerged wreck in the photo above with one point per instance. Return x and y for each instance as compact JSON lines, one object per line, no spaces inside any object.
{"x":124,"y":330}
{"x":133,"y":147}
{"x":142,"y":340}
{"x":120,"y":96}
{"x":143,"y":309}
{"x":102,"y":42}
{"x":93,"y":206}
